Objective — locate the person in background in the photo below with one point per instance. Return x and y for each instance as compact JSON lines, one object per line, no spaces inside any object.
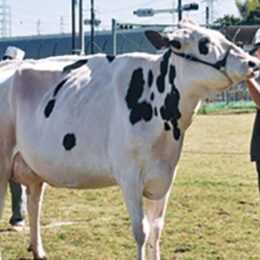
{"x":18,"y":194}
{"x":13,"y":53}
{"x":254,"y":91}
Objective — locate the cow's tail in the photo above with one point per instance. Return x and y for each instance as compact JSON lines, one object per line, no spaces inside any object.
{"x":3,"y":187}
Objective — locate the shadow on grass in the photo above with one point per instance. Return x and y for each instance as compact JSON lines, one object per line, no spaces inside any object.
{"x":6,"y":230}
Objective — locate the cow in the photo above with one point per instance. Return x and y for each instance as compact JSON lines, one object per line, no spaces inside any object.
{"x":117,"y":120}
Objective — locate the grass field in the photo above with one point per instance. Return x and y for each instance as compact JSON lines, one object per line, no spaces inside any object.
{"x":213,"y":212}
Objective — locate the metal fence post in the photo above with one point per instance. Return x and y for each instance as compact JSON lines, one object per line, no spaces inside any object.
{"x":81,"y":29}
{"x":114,"y":29}
{"x":73,"y":23}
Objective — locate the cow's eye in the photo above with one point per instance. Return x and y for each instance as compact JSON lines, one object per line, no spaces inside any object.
{"x":175,"y":44}
{"x":204,"y":46}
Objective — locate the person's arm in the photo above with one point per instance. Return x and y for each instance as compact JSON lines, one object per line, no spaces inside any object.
{"x":254,"y":91}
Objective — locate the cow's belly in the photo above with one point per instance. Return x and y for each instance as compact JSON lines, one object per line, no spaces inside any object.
{"x":87,"y":180}
{"x":62,"y":173}
{"x":86,"y":165}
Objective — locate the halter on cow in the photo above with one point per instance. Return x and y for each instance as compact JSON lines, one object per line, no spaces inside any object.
{"x":119,"y":120}
{"x":219,"y":65}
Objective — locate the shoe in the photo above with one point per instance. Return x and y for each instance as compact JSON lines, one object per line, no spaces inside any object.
{"x":18,"y":226}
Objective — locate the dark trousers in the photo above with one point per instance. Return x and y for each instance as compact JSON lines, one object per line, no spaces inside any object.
{"x":258,"y":172}
{"x":255,"y":145}
{"x":18,"y":202}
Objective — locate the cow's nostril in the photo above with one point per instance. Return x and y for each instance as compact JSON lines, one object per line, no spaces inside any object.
{"x":251,"y":64}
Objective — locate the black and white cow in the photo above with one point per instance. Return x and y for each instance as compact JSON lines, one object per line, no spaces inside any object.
{"x":118,"y":120}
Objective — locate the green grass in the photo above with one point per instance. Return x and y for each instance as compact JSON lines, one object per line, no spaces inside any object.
{"x":213,"y":212}
{"x":231,"y":107}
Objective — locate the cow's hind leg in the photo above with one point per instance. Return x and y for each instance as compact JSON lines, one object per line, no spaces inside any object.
{"x":155,"y":214}
{"x":34,"y":201}
{"x":134,"y":202}
{"x":22,"y":173}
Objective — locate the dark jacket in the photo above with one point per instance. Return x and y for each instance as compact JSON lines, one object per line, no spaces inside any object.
{"x":255,"y":141}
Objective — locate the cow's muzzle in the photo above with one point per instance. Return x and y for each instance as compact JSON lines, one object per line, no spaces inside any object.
{"x":254,"y":68}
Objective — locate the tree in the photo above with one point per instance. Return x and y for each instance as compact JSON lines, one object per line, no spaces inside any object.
{"x":249,"y":11}
{"x":227,"y":20}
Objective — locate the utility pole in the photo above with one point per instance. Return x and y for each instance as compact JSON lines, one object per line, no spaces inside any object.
{"x":210,"y":5}
{"x":173,"y":14}
{"x":114,"y":32}
{"x":38,"y":27}
{"x":81,"y":29}
{"x":207,"y":17}
{"x":179,"y":10}
{"x":10,"y":22}
{"x":61,"y":24}
{"x":92,"y":18}
{"x":5,"y":20}
{"x":73,"y":24}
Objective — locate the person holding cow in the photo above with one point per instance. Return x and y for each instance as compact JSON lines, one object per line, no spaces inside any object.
{"x":254,"y":91}
{"x":18,"y":194}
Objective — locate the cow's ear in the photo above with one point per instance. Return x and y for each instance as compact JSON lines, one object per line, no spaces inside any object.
{"x":157,"y":40}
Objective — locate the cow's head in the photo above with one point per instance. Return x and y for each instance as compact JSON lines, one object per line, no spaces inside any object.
{"x":206,"y":56}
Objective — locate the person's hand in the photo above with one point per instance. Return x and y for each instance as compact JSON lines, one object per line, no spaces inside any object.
{"x":254,"y":90}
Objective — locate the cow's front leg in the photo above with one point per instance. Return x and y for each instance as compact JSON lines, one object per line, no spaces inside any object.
{"x":34,"y":201}
{"x":132,"y":189}
{"x":155,"y":214}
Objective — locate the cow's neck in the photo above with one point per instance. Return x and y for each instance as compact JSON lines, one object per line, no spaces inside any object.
{"x":178,"y":106}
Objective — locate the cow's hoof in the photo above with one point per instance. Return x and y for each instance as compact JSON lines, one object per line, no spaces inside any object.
{"x":37,"y":255}
{"x":40,"y":258}
{"x":29,"y":249}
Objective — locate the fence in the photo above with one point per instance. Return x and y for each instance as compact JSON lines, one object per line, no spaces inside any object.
{"x":234,"y":100}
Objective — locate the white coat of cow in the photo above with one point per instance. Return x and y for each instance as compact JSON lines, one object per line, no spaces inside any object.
{"x":118,"y":120}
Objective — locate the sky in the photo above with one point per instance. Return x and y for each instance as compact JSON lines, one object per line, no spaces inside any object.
{"x":30,"y":17}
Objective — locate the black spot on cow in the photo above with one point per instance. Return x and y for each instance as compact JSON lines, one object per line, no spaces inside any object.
{"x":136,"y":88}
{"x":172,"y":74}
{"x":48,"y":109}
{"x":152,"y":96}
{"x":135,"y":116}
{"x":169,"y":110}
{"x":58,"y":87}
{"x":163,"y":71}
{"x":110,"y":58}
{"x":141,"y":111}
{"x":147,"y":111}
{"x":69,"y":141}
{"x":175,"y":44}
{"x":167,"y":126}
{"x":75,"y":65}
{"x":138,"y":110}
{"x":50,"y":105}
{"x":204,"y":46}
{"x":155,"y":111}
{"x":150,"y":78}
{"x":176,"y":129}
